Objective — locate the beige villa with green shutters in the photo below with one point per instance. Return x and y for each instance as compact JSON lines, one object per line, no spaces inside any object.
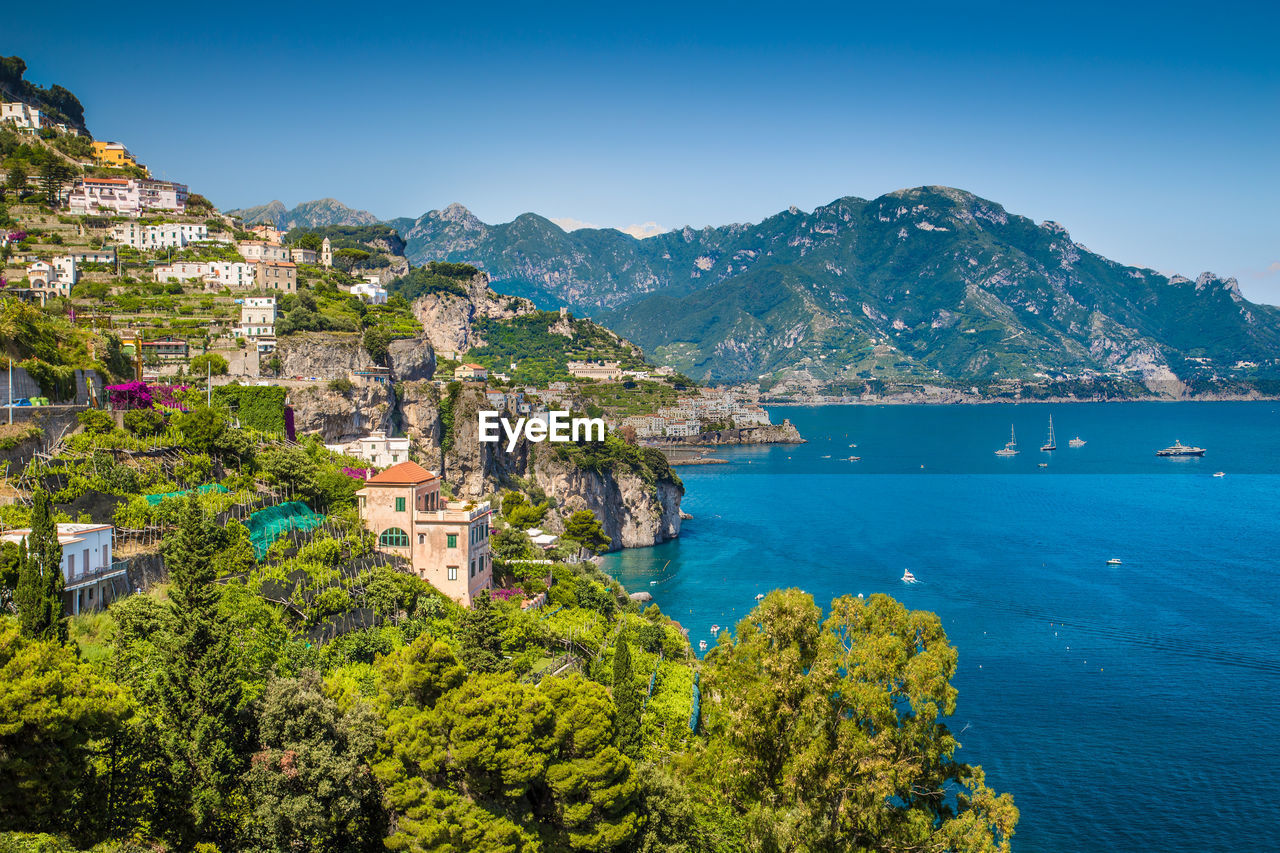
{"x":446,"y":542}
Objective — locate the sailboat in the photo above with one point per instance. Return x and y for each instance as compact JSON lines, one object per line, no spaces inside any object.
{"x":1010,"y":449}
{"x":1050,"y":444}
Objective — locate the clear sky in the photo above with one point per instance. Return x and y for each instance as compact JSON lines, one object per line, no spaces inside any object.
{"x":1152,"y":132}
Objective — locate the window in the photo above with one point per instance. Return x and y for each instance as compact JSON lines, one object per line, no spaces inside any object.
{"x":453,"y":573}
{"x":71,"y":565}
{"x":399,"y":504}
{"x":394,"y":537}
{"x":473,"y":568}
{"x":451,"y":540}
{"x":422,"y":538}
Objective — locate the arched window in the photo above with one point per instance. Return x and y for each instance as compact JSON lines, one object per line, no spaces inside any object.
{"x":394,"y":537}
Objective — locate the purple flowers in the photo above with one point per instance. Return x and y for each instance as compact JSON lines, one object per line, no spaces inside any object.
{"x":130,"y":395}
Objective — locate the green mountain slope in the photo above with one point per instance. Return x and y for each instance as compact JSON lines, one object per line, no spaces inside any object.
{"x":927,"y":283}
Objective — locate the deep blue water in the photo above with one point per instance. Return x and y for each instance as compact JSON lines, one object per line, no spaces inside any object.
{"x":1127,"y":709}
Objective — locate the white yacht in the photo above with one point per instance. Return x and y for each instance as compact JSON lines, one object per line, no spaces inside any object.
{"x":907,"y":577}
{"x":1011,"y":447}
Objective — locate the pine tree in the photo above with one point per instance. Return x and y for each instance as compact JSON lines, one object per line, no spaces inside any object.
{"x":626,"y":697}
{"x":40,"y":582}
{"x":199,"y":694}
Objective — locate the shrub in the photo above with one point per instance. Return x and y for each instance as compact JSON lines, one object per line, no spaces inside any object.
{"x":96,"y":422}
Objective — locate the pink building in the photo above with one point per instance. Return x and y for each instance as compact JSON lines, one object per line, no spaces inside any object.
{"x":446,"y":542}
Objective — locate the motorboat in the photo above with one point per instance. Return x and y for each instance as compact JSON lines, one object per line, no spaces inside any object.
{"x":715,"y":629}
{"x":702,"y":645}
{"x":1180,"y":449}
{"x":759,"y":596}
{"x":1114,"y":561}
{"x":1076,"y":442}
{"x":1220,"y":474}
{"x":907,"y":577}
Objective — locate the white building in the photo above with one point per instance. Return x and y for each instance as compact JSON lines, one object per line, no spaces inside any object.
{"x":370,"y":291}
{"x":300,"y":255}
{"x":22,"y":115}
{"x":231,"y":274}
{"x":608,"y":371}
{"x":125,"y":196}
{"x":55,"y":278}
{"x":92,"y":579}
{"x":182,"y":270}
{"x":259,"y":250}
{"x":326,"y":253}
{"x":167,"y":235}
{"x":376,"y":448}
{"x":258,"y":317}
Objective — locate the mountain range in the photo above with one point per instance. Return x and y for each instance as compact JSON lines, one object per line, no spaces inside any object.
{"x":930,"y":284}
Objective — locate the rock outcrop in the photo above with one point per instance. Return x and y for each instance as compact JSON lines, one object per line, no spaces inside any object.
{"x":783,"y":433}
{"x":635,"y":514}
{"x":324,"y":355}
{"x":634,"y":511}
{"x":412,"y":360}
{"x":342,"y":415}
{"x":447,"y":318}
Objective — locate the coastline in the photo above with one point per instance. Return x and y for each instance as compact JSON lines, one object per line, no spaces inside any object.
{"x":985,"y":401}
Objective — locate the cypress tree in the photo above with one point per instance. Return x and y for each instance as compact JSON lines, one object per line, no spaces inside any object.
{"x":481,"y":638}
{"x":626,"y":697}
{"x":40,"y":582}
{"x":199,"y":691}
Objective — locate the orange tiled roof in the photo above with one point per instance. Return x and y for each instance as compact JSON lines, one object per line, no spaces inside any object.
{"x":404,"y":474}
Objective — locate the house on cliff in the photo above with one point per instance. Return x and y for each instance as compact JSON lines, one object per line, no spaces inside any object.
{"x":445,"y":542}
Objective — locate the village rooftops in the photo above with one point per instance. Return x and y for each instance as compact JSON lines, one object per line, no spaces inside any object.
{"x":403,"y":474}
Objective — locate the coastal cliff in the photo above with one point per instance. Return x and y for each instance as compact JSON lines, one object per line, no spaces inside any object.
{"x":637,"y":500}
{"x":783,"y":433}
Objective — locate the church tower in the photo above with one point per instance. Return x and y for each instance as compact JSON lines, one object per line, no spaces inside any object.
{"x":326,"y":254}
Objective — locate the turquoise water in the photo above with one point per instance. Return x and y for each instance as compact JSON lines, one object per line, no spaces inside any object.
{"x":1127,"y":708}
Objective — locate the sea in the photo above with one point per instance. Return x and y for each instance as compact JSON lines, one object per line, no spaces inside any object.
{"x":1126,"y":708}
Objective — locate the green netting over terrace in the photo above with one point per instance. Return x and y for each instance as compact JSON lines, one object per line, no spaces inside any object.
{"x":155,"y":500}
{"x":265,"y":526}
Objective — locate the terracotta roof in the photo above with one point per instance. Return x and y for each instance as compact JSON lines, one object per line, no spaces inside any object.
{"x":404,"y":474}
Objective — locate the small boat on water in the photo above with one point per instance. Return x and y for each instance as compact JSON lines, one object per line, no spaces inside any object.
{"x":907,"y":577}
{"x":653,"y":583}
{"x":715,"y":629}
{"x":1114,"y":561}
{"x":1011,"y":446}
{"x":1220,"y":474}
{"x":1180,"y":449}
{"x":1051,"y":444}
{"x":1076,"y":442}
{"x":759,"y":596}
{"x":828,"y":456}
{"x":854,"y":458}
{"x":702,"y":645}
{"x":1044,"y":464}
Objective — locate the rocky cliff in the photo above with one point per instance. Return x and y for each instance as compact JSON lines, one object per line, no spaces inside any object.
{"x":447,"y":318}
{"x":635,"y":514}
{"x":636,"y":510}
{"x":324,"y":355}
{"x":783,"y":433}
{"x":342,"y":415}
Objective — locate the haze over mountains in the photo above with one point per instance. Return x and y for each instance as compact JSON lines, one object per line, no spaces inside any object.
{"x":930,"y":283}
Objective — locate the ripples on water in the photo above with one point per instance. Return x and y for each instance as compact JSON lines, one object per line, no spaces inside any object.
{"x":1127,"y":708}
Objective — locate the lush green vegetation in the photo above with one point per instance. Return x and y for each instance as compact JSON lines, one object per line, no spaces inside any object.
{"x":542,"y":355}
{"x":435,"y":277}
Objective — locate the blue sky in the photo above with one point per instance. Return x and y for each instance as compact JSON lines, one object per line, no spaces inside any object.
{"x":1152,"y":132}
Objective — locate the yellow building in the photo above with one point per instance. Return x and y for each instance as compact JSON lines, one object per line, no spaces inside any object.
{"x":112,"y":154}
